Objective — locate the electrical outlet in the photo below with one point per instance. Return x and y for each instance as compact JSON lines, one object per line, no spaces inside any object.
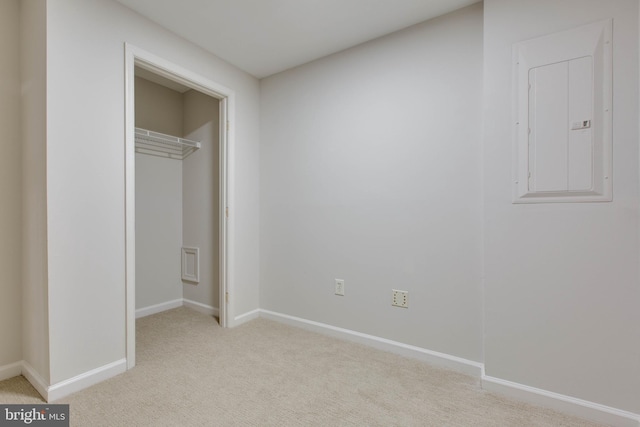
{"x":400,"y":298}
{"x":340,"y":287}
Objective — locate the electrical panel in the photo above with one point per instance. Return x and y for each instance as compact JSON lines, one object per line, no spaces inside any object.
{"x":562,"y":116}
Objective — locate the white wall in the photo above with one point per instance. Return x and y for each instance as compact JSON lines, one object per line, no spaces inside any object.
{"x":562,"y":288}
{"x":85,"y":175}
{"x":35,"y":308}
{"x":370,"y":172}
{"x":10,"y":185}
{"x":200,"y":192}
{"x":158,"y":199}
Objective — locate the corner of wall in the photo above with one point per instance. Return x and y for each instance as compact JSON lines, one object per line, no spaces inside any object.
{"x":10,"y":187}
{"x":35,"y":331}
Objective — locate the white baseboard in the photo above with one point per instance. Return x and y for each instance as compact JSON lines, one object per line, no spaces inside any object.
{"x":87,"y":379}
{"x":202,"y":308}
{"x":455,"y":363}
{"x":562,"y":403}
{"x":246,"y":317}
{"x":11,"y":370}
{"x":35,"y":379}
{"x":72,"y":385}
{"x":157,"y":308}
{"x":565,"y":404}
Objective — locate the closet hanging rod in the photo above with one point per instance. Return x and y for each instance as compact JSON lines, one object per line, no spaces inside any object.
{"x":163,"y":145}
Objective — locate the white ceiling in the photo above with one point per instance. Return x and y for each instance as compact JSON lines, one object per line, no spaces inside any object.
{"x":264,"y":37}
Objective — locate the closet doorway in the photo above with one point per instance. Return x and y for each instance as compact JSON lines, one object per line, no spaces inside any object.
{"x":177,"y":191}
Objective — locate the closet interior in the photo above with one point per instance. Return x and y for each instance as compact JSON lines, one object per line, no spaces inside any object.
{"x":177,"y":196}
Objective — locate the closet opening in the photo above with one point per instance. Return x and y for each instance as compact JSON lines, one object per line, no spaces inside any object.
{"x":177,"y":192}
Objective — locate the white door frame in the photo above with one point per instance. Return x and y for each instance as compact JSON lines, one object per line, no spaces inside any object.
{"x":135,"y":56}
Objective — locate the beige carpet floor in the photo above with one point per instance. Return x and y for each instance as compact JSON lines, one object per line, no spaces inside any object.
{"x":191,"y":372}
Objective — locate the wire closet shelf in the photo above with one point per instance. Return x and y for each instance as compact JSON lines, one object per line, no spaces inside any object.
{"x":162,"y":145}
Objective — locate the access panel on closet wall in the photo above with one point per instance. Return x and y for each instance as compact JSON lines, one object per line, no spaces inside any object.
{"x":562,"y":87}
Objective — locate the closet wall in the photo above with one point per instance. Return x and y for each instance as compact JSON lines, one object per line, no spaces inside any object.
{"x":177,"y":201}
{"x":200,"y":194}
{"x":158,"y":200}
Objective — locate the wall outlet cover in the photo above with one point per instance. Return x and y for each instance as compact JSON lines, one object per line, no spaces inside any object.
{"x":400,"y":298}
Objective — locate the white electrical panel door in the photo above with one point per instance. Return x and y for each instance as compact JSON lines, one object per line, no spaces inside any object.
{"x":562,"y":115}
{"x":561,"y":136}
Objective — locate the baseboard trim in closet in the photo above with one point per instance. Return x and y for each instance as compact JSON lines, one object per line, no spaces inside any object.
{"x":157,"y":308}
{"x":202,"y":308}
